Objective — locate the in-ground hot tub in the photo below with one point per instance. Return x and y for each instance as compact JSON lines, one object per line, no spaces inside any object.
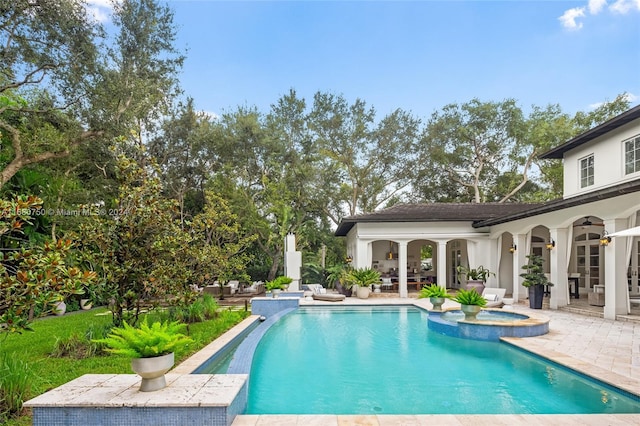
{"x":491,"y":324}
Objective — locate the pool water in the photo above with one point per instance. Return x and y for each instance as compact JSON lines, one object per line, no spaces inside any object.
{"x":384,"y":360}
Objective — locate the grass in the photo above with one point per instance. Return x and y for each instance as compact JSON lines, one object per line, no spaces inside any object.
{"x":35,"y":348}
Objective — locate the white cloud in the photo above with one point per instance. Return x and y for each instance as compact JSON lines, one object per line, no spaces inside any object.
{"x":596,"y":6}
{"x":100,"y":10}
{"x":624,"y":6}
{"x":568,"y":19}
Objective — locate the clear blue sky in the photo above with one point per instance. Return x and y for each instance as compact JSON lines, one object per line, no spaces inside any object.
{"x":414,"y":55}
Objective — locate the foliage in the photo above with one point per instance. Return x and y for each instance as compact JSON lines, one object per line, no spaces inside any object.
{"x":362,"y":277}
{"x":75,"y":346}
{"x":534,"y":274}
{"x":478,"y":274}
{"x":37,"y":278}
{"x":15,"y":385}
{"x":278,"y":283}
{"x":338,"y":274}
{"x":470,"y":297}
{"x":160,"y":338}
{"x":433,"y":290}
{"x":202,"y":309}
{"x":127,"y":244}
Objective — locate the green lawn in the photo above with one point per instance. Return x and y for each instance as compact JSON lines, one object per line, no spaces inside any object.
{"x":35,"y":348}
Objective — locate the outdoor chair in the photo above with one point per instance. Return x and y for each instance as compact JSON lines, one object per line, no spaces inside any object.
{"x":494,"y":297}
{"x":386,"y":283}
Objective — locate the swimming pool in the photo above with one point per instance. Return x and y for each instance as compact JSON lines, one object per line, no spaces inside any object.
{"x":384,"y":360}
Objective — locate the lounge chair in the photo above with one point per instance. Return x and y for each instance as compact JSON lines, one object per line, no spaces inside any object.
{"x":315,"y":288}
{"x":328,"y":297}
{"x":386,"y":283}
{"x":494,"y":297}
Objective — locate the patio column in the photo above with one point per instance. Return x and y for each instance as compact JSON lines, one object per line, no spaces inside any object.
{"x":615,"y":271}
{"x":519,"y":259}
{"x":442,"y":264}
{"x":558,"y":269}
{"x":402,"y":268}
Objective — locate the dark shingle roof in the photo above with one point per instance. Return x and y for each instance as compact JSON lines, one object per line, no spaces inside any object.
{"x":607,"y":126}
{"x":434,"y":212}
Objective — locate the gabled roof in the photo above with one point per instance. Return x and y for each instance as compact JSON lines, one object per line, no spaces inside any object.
{"x":607,"y":126}
{"x":435,"y":212}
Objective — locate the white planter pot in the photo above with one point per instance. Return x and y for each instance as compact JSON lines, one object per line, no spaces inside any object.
{"x":152,"y":371}
{"x":363,"y":292}
{"x":276,"y":293}
{"x":85,"y":304}
{"x":60,"y":308}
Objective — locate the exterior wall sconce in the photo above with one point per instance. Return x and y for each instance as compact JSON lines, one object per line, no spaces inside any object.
{"x":605,"y":239}
{"x":551,"y":244}
{"x":349,"y":259}
{"x":513,"y":248}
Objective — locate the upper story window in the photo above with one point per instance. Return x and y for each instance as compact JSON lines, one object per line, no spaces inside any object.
{"x":586,"y":171}
{"x":632,"y":155}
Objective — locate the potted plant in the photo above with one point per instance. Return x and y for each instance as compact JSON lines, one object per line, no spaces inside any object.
{"x":151,"y":348}
{"x":437,"y":295}
{"x":337,"y":276}
{"x":471,"y":302}
{"x":535,"y":280}
{"x":277,"y":285}
{"x":363,"y":278}
{"x":475,"y":277}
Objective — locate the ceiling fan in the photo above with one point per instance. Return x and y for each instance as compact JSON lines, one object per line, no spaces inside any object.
{"x":587,"y":223}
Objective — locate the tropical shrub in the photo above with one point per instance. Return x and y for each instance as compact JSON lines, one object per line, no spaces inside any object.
{"x":470,"y":297}
{"x":433,"y":290}
{"x":278,"y":283}
{"x":362,"y":277}
{"x":15,"y":385}
{"x":161,"y":338}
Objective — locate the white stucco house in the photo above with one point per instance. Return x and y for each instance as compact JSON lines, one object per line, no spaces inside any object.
{"x":601,"y":196}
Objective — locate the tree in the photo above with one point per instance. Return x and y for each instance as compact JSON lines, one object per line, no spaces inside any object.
{"x":365,"y":164}
{"x":48,"y":67}
{"x":126,"y":240}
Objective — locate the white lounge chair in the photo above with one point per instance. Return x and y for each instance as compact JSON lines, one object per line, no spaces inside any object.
{"x":494,"y":297}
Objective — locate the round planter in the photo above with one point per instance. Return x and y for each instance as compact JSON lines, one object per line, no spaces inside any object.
{"x":85,"y":304}
{"x":437,"y":302}
{"x":60,"y":308}
{"x":477,"y":284}
{"x":152,"y":371}
{"x":470,"y":311}
{"x":363,"y":292}
{"x":275,"y":293}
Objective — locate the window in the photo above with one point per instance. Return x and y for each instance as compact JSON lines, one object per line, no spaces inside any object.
{"x":632,"y":155}
{"x":586,"y":171}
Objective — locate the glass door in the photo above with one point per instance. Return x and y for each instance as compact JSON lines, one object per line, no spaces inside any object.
{"x":588,"y":261}
{"x":455,"y":260}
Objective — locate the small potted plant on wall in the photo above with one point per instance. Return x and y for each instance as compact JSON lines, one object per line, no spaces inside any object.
{"x":437,"y":295}
{"x":476,"y":277}
{"x":535,"y":280}
{"x":151,"y":349}
{"x":277,"y":285}
{"x":471,"y":302}
{"x":363,"y":278}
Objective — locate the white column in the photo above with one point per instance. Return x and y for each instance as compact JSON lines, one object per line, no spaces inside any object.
{"x":558,"y":269}
{"x":402,"y":268}
{"x":519,"y":259}
{"x":615,"y":271}
{"x":442,"y":264}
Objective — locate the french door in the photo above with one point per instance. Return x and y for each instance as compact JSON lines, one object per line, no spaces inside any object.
{"x":589,"y":260}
